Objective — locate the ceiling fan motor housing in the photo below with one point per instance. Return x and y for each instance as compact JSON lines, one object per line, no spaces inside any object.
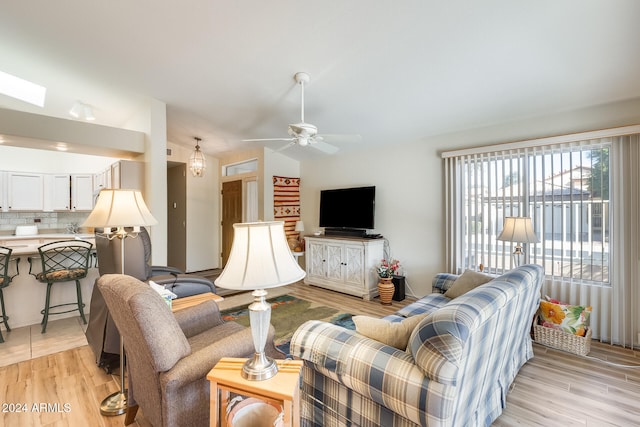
{"x":303,"y":130}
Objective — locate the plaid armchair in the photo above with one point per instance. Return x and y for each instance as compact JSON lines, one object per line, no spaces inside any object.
{"x":456,"y":370}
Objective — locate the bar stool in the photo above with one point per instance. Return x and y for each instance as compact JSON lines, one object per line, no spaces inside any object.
{"x":63,"y":261}
{"x":5,"y":280}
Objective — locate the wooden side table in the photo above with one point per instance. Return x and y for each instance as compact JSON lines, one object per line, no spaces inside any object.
{"x":283,"y":388}
{"x":186,"y":302}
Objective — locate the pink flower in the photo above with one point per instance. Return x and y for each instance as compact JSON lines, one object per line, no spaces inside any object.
{"x":388,"y":268}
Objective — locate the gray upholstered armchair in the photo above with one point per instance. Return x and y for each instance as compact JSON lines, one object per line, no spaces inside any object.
{"x":169,"y":354}
{"x":101,"y":333}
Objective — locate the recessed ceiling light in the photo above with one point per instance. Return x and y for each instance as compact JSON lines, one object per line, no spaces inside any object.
{"x":21,"y":89}
{"x":80,"y":110}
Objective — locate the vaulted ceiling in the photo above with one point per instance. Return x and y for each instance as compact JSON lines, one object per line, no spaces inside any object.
{"x":388,"y":71}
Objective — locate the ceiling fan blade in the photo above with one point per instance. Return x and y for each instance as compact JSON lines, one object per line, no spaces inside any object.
{"x":289,"y":145}
{"x":268,"y":139}
{"x":340,"y":137}
{"x":324,"y":147}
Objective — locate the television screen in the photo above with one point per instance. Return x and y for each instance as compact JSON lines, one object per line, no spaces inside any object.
{"x":348,"y":208}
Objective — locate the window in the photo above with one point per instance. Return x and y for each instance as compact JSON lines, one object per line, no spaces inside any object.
{"x":582,"y":193}
{"x":563,"y":188}
{"x":240,"y":168}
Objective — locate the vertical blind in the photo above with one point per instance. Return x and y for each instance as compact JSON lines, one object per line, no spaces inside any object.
{"x":582,"y":197}
{"x":564,"y":189}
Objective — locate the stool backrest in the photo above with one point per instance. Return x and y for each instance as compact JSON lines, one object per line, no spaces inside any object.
{"x":5,"y":257}
{"x":66,"y":255}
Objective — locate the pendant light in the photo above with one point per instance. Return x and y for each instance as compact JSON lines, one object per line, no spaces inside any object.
{"x":197,"y":162}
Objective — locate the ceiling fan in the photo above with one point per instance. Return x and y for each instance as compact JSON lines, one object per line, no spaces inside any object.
{"x":305,"y":134}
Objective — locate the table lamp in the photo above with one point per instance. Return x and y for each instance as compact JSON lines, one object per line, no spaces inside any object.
{"x":260,"y":258}
{"x":520,"y":230}
{"x":119,"y":209}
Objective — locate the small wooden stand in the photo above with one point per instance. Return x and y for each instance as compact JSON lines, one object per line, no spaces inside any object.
{"x":283,"y":388}
{"x":186,"y":302}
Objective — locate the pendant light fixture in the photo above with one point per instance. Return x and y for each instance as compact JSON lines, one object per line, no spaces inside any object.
{"x":197,"y":162}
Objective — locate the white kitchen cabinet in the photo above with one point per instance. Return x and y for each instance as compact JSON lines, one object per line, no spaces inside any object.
{"x":3,"y":192}
{"x":343,"y":264}
{"x":102,"y":180}
{"x":25,"y":191}
{"x":57,"y":192}
{"x":82,"y":192}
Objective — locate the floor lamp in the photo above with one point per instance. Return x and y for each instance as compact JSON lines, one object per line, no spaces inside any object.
{"x":120,"y":214}
{"x":260,"y":258}
{"x":518,"y":229}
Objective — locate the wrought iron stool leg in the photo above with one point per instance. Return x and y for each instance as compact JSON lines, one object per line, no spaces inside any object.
{"x":5,"y":318}
{"x":45,"y":312}
{"x":80,"y":303}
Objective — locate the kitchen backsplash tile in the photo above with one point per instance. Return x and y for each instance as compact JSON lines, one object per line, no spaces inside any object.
{"x":48,"y":220}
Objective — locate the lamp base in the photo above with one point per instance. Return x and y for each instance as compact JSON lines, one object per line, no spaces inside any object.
{"x":114,"y":404}
{"x":260,"y":367}
{"x":518,"y":256}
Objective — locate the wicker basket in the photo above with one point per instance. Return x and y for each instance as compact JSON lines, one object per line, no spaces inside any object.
{"x":561,"y":340}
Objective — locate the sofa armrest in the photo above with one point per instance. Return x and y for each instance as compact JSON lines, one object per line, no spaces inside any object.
{"x":185,"y":284}
{"x":161,"y":270}
{"x":199,"y":318}
{"x":195,"y":366}
{"x":384,"y":374}
{"x":238,"y":342}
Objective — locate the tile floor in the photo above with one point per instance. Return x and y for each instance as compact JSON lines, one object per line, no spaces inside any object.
{"x":28,"y":342}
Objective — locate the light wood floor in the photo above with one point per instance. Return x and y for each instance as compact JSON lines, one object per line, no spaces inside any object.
{"x":554,"y":388}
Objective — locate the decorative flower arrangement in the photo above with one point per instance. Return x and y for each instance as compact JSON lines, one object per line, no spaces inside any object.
{"x":388,"y":269}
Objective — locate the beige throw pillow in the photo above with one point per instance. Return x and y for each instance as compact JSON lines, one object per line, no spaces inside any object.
{"x":468,"y":280}
{"x":395,"y":334}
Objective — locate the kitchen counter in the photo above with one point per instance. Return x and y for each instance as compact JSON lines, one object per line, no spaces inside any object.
{"x":25,"y":296}
{"x":24,"y":245}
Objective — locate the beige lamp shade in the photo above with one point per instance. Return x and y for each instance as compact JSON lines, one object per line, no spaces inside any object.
{"x":299,"y":226}
{"x":518,"y":229}
{"x":120,"y":208}
{"x":260,"y":258}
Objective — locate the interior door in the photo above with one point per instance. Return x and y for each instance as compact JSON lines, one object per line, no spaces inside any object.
{"x":177,"y":216}
{"x":231,"y":214}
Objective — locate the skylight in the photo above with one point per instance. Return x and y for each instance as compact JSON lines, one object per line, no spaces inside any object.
{"x":21,"y":89}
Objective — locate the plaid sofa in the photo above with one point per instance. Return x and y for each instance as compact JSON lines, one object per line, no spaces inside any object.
{"x":456,"y":370}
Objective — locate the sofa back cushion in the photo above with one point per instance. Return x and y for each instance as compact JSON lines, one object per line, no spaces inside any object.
{"x":395,"y":334}
{"x":150,"y":330}
{"x":467,"y":281}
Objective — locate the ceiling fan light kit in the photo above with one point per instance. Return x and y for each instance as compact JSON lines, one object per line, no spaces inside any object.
{"x":305,"y":134}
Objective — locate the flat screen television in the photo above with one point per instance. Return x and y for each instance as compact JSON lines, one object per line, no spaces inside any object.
{"x":348,"y":208}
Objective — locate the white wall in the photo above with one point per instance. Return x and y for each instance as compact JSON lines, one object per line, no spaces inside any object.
{"x":409,"y":184}
{"x":153,"y":123}
{"x":407,"y":202}
{"x":19,"y":159}
{"x":203,"y":212}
